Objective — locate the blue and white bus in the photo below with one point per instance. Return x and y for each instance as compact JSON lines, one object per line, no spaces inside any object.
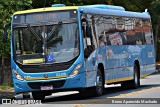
{"x":80,"y":48}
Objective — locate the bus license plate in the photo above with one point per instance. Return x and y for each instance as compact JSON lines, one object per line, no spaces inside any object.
{"x":50,"y":87}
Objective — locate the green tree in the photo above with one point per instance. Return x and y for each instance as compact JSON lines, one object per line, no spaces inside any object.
{"x":48,"y":3}
{"x":7,"y":8}
{"x":155,"y":13}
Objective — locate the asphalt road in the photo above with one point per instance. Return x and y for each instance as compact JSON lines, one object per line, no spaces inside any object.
{"x":150,"y":88}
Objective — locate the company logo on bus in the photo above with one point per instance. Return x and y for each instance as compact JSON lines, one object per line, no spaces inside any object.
{"x":45,"y":76}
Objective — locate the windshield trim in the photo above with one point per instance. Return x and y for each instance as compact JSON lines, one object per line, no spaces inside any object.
{"x":46,"y":24}
{"x":44,"y":63}
{"x":17,"y":25}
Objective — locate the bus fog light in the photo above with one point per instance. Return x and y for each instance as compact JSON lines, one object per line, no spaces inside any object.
{"x":76,"y":70}
{"x":17,"y":75}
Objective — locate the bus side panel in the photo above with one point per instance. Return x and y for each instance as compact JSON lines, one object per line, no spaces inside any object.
{"x":148,"y":55}
{"x":135,"y":52}
{"x":145,"y":55}
{"x":117,"y":63}
{"x":96,"y":57}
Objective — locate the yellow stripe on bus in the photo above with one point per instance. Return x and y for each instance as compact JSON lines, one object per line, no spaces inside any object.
{"x":47,"y":9}
{"x":144,"y":75}
{"x":57,"y":77}
{"x":124,"y":79}
{"x":118,"y":80}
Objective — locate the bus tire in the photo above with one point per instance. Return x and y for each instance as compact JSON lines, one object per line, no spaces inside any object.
{"x":38,"y":95}
{"x":99,"y":88}
{"x":135,"y":83}
{"x":84,"y":93}
{"x":125,"y":85}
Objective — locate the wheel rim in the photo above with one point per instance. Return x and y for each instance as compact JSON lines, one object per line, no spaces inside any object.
{"x":136,"y":79}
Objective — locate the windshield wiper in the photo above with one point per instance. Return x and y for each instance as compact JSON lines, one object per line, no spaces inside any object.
{"x":54,"y":29}
{"x":33,"y":32}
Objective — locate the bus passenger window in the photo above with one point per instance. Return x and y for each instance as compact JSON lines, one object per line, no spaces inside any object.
{"x":139,"y":36}
{"x":99,"y":28}
{"x":114,"y":31}
{"x":134,"y":31}
{"x":147,"y":31}
{"x":102,"y":41}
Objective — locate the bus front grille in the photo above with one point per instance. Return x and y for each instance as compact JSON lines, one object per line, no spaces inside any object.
{"x":37,"y":85}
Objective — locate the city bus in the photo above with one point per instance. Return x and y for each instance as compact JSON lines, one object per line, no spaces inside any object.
{"x":81,"y":48}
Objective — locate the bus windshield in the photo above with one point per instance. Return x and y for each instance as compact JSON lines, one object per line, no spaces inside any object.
{"x":50,"y":43}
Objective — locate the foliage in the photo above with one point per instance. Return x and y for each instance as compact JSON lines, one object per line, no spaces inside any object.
{"x":7,"y":8}
{"x":5,"y":86}
{"x":48,"y":3}
{"x":155,"y":13}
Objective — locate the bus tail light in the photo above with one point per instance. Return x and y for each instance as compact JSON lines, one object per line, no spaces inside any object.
{"x":17,"y":75}
{"x":76,"y":70}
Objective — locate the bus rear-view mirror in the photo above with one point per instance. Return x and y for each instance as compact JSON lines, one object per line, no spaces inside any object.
{"x":4,"y":32}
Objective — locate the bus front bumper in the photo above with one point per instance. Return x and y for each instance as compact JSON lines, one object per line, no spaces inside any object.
{"x":75,"y":82}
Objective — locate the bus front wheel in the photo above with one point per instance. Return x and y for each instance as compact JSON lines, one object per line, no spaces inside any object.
{"x":98,"y":89}
{"x":38,"y":95}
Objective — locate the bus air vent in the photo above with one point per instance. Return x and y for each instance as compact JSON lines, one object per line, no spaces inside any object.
{"x":55,"y":84}
{"x":107,"y":7}
{"x":58,"y":5}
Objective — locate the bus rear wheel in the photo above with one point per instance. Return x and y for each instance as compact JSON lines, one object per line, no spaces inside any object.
{"x":136,"y":79}
{"x":133,"y":84}
{"x":38,"y":95}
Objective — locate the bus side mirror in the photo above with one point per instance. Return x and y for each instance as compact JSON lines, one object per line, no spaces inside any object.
{"x":5,"y":33}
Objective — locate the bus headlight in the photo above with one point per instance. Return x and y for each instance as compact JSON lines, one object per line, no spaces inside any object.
{"x":76,"y":70}
{"x":17,"y":75}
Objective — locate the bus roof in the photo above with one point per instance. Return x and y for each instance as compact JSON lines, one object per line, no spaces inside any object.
{"x":113,"y":11}
{"x":93,"y":9}
{"x":47,"y":9}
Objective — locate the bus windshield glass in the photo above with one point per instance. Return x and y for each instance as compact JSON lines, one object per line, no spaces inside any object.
{"x":46,"y":42}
